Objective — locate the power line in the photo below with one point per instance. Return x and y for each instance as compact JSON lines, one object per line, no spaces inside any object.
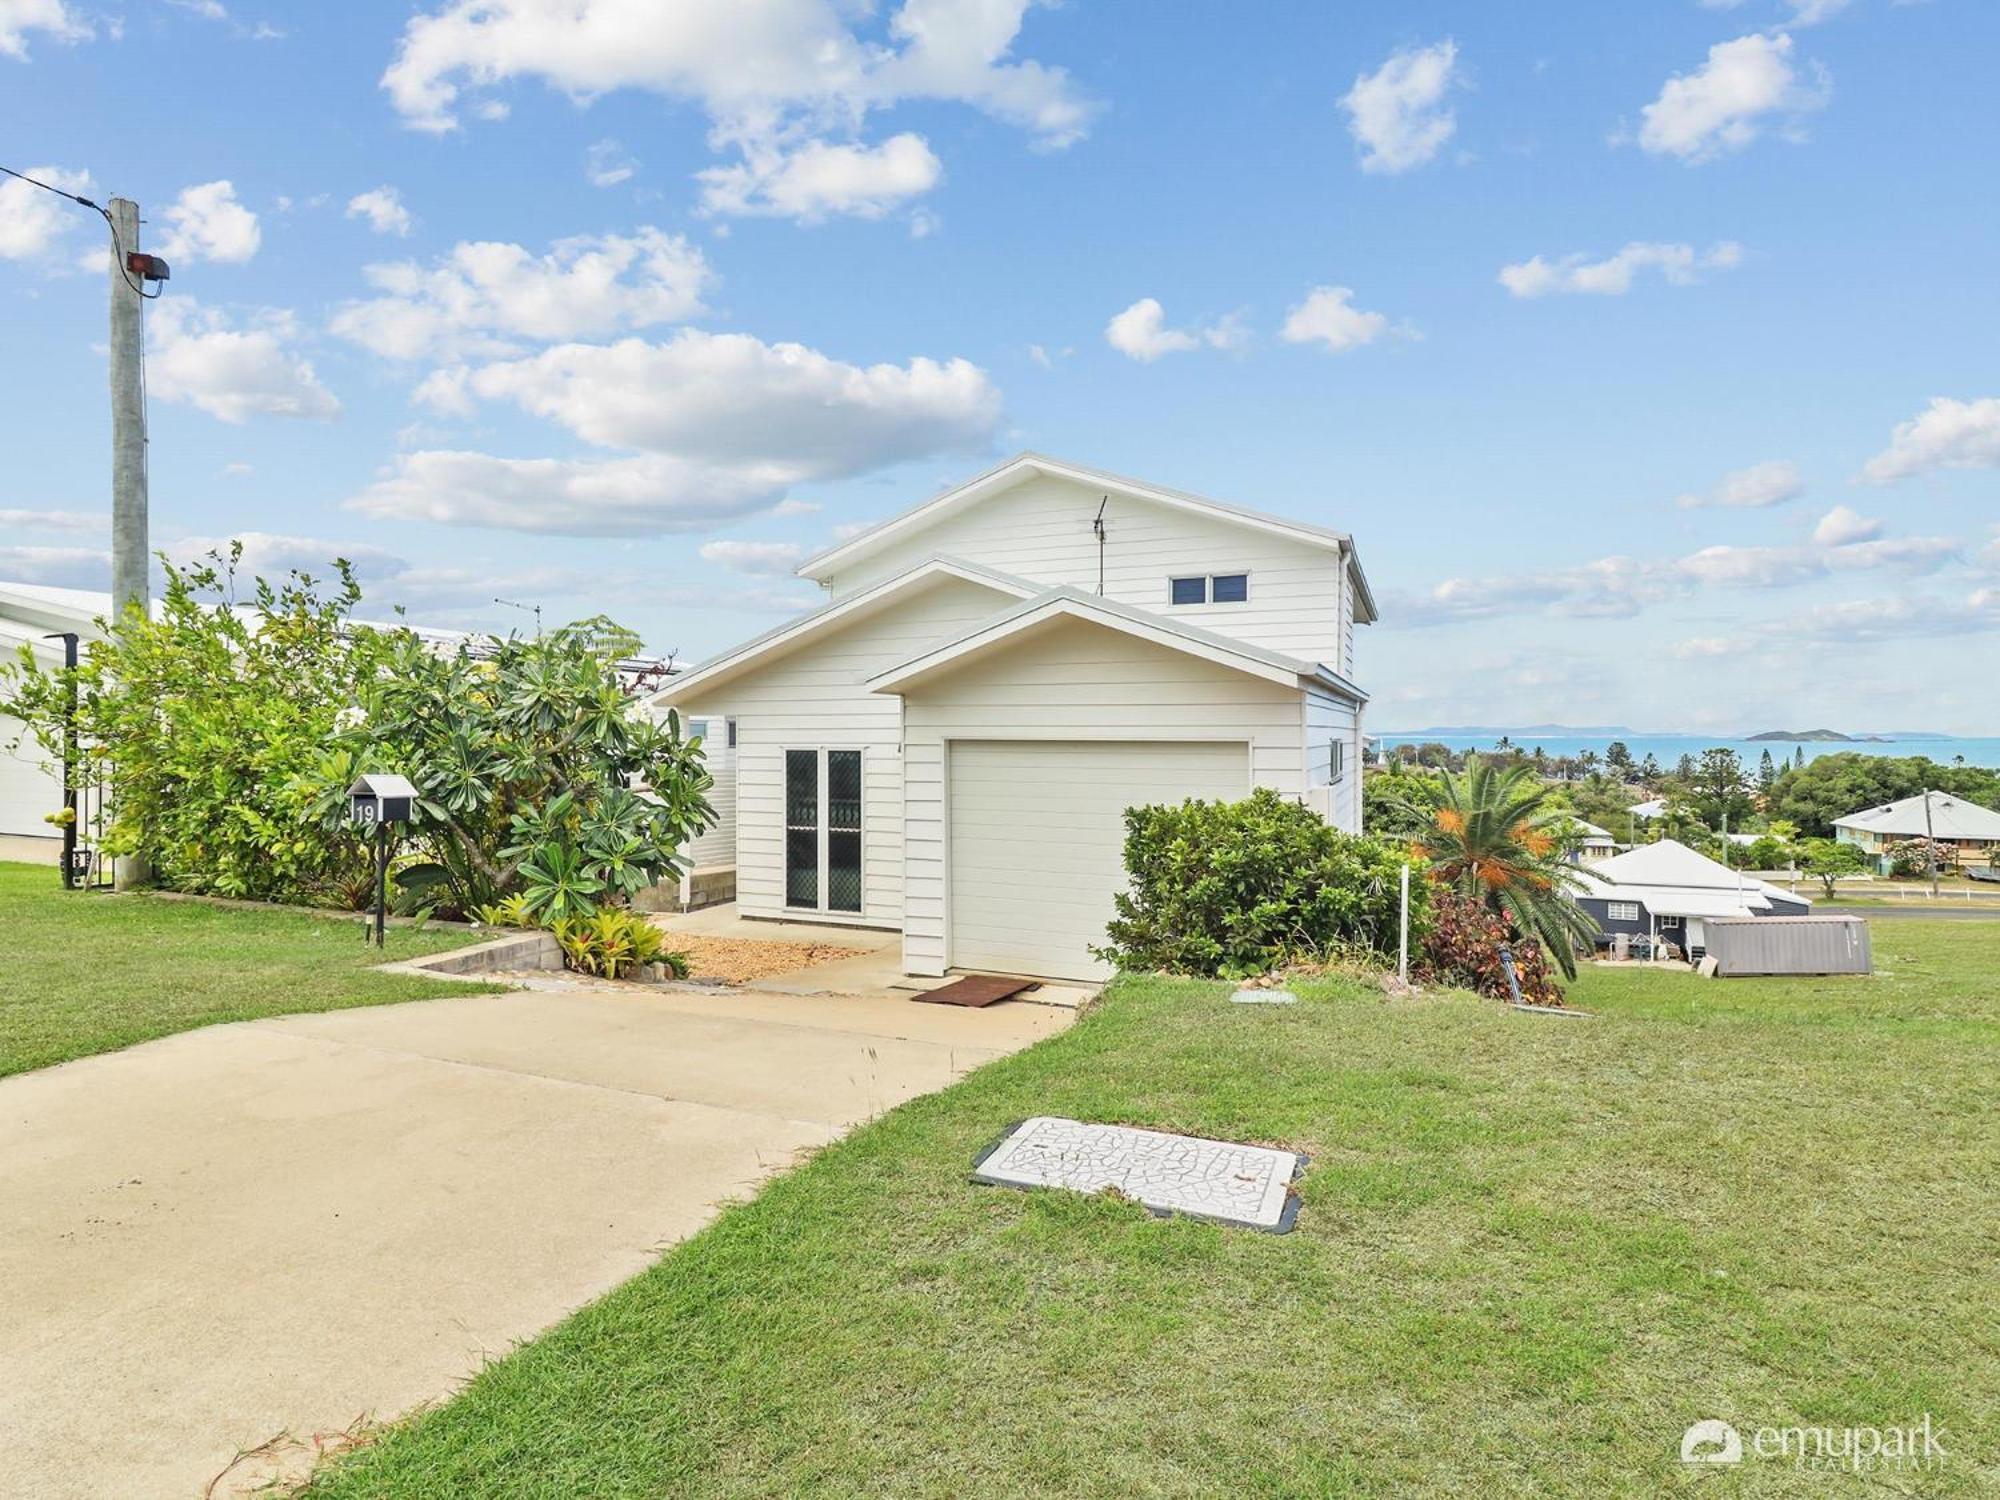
{"x":117,"y":246}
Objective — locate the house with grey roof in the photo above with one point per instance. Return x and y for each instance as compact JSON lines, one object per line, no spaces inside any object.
{"x":1967,"y":832}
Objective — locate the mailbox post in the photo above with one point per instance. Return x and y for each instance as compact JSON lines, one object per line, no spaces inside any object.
{"x":378,"y":803}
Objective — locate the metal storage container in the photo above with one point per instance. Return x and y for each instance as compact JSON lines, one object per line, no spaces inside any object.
{"x":1788,"y":945}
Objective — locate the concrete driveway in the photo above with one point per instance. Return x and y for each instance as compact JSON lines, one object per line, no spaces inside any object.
{"x":269,"y":1230}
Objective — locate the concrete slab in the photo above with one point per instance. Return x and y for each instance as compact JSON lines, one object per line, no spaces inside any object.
{"x":286,"y":1225}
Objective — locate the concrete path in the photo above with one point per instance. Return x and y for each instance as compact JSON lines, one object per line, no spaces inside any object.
{"x":270,"y":1230}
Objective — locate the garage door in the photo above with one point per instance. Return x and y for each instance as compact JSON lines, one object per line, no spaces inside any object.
{"x":1038,"y":837}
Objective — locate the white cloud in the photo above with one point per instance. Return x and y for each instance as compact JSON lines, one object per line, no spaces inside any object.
{"x":1947,"y":434}
{"x":34,"y":223}
{"x":642,"y":496}
{"x":1620,"y":587}
{"x":1850,"y":622}
{"x":776,"y":559}
{"x":1753,"y":488}
{"x":1842,"y":526}
{"x":232,"y":373}
{"x":485,"y":297}
{"x":273,"y":554}
{"x":64,"y":567}
{"x":383,"y":208}
{"x":771,"y":75}
{"x":51,"y":17}
{"x":820,"y":180}
{"x":1803,"y":12}
{"x":53,"y":520}
{"x":1140,"y":332}
{"x":724,"y":426}
{"x":1723,"y":104}
{"x":1396,"y":114}
{"x":606,"y":164}
{"x":238,"y":470}
{"x":786,"y":411}
{"x":1679,"y":264}
{"x":207,"y":223}
{"x":1328,"y":317}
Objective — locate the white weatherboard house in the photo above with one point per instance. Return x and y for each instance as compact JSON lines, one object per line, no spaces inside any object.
{"x":1667,"y":890}
{"x":948,"y":746}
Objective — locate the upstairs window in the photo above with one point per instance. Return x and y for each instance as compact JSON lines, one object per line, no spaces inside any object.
{"x":1217,"y":588}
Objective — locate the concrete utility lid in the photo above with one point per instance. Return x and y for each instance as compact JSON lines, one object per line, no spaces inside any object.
{"x":1218,"y":1180}
{"x":1264,"y":997}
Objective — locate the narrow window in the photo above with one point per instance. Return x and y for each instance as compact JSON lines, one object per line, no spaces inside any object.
{"x":1336,"y":760}
{"x":1189,"y":591}
{"x":729,"y":733}
{"x":843,"y":830}
{"x":802,"y":828}
{"x":1229,"y":588}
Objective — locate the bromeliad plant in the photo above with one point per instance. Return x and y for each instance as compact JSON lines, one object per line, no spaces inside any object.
{"x":1495,"y":839}
{"x":538,"y":776}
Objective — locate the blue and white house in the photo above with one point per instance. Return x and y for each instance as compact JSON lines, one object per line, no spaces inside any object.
{"x":1666,"y":891}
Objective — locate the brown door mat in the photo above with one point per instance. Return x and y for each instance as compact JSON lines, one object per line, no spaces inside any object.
{"x":979,"y":989}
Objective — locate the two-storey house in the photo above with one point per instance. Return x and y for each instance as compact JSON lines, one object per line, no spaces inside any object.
{"x":948,"y":746}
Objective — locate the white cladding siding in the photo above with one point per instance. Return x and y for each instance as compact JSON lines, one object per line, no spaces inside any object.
{"x":1329,"y":718}
{"x":1073,"y":681}
{"x":1037,"y":840}
{"x":28,"y":792}
{"x":813,"y":698}
{"x":1041,"y":530}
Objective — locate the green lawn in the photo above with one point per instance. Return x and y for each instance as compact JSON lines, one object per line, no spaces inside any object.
{"x":88,"y":972}
{"x":1532,"y":1251}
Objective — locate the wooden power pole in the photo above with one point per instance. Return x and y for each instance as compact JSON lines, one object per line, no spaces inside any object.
{"x":131,"y":549}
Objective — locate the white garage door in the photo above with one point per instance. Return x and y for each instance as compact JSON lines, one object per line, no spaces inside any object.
{"x":27,"y":792}
{"x":1038,"y":837}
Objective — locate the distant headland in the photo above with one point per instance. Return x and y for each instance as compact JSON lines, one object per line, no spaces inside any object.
{"x":1820,"y":736}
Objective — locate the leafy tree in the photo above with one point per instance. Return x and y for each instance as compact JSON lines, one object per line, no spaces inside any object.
{"x":1618,"y":759}
{"x":1920,"y":856}
{"x":1832,"y":786}
{"x":1718,"y":789}
{"x":536,"y":774}
{"x":1767,"y":771}
{"x":1828,"y":861}
{"x":1494,"y":839}
{"x":1649,"y":769}
{"x":1391,"y":798}
{"x":208,"y":724}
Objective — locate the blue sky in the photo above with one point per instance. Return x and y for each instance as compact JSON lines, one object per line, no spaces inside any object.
{"x":1647,"y":350}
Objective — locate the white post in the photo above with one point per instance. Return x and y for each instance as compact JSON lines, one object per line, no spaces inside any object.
{"x":1403,"y":932}
{"x":130,"y":547}
{"x":1930,"y":844}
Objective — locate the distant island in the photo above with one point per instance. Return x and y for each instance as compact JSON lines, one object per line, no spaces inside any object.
{"x":1820,"y":736}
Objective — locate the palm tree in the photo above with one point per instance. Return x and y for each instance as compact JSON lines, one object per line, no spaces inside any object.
{"x":1494,"y":836}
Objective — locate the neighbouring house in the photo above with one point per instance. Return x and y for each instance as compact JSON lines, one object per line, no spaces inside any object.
{"x":1597,"y":843}
{"x":948,"y":746}
{"x":1666,"y":891}
{"x":1645,"y":812}
{"x":1967,"y":832}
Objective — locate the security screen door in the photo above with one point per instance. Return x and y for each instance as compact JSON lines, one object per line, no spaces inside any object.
{"x":823,"y":830}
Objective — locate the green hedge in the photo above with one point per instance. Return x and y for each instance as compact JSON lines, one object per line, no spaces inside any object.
{"x":1240,"y":888}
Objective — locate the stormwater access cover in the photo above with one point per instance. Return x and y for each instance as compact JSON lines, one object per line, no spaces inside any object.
{"x":1169,"y":1174}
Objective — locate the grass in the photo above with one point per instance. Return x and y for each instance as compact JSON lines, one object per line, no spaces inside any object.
{"x":89,"y":972}
{"x":1532,"y":1251}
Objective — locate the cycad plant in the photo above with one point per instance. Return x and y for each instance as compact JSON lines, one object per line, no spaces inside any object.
{"x":1494,"y":838}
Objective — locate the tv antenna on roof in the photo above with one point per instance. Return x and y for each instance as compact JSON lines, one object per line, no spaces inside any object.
{"x":1098,"y":527}
{"x":533,"y":609}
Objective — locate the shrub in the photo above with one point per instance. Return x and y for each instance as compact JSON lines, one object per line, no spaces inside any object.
{"x":1768,"y":853}
{"x":613,"y":943}
{"x":1461,"y":948}
{"x":1239,"y":888}
{"x":208,"y":723}
{"x":1916,"y":856}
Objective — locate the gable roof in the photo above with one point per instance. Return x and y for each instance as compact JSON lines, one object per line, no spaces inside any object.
{"x":1073,"y":603}
{"x":775,"y":642}
{"x":1025,"y":465}
{"x":1951,"y":818}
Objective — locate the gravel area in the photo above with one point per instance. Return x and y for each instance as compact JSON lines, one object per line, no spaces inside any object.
{"x":737,"y":961}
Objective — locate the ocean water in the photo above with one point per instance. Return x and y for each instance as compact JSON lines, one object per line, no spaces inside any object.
{"x":1669,"y":748}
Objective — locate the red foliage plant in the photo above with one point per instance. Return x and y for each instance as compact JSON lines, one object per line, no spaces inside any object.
{"x":1462,"y":949}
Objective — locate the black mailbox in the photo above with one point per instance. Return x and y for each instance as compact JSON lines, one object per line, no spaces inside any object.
{"x":375,"y":801}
